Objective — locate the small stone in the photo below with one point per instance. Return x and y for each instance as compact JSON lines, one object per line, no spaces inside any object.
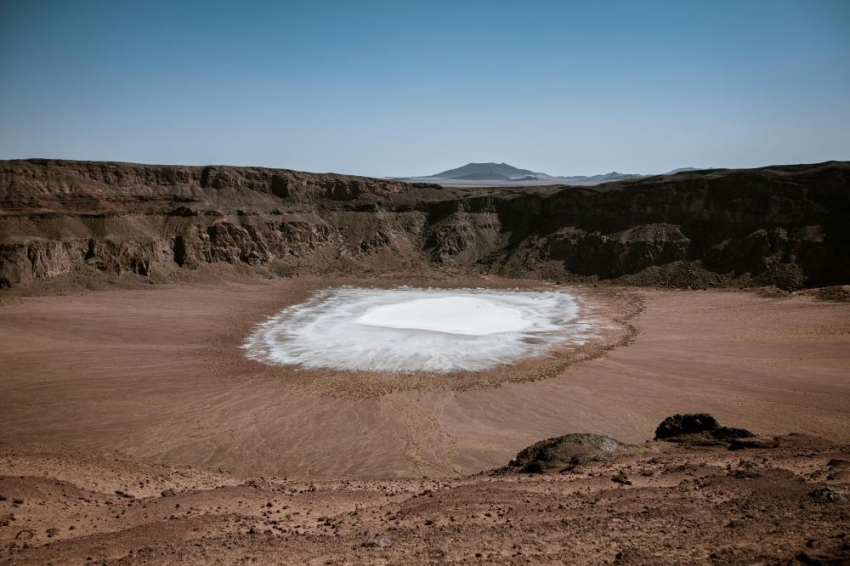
{"x":827,"y":495}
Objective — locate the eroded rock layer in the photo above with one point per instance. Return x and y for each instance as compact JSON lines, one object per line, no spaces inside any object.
{"x":786,"y":226}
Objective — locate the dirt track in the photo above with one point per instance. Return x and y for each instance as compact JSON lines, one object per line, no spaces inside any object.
{"x":157,"y":374}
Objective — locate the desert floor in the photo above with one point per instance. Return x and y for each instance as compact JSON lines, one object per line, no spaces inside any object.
{"x":158,"y":374}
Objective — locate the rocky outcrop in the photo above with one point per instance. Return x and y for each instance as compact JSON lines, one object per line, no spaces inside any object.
{"x":786,"y":226}
{"x":618,"y":253}
{"x":678,"y":427}
{"x":567,"y":451}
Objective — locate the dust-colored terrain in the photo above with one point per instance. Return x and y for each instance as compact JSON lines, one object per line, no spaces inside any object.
{"x":771,"y":500}
{"x":133,"y":429}
{"x":158,"y":373}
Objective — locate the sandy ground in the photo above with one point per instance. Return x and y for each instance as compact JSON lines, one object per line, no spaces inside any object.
{"x":783,"y":500}
{"x":158,"y":374}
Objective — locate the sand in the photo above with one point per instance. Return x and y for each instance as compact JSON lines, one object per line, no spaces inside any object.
{"x":159,"y":374}
{"x":657,"y":503}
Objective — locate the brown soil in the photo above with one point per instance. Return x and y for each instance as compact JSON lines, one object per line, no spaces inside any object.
{"x":785,"y":501}
{"x":158,"y":374}
{"x":376,"y":468}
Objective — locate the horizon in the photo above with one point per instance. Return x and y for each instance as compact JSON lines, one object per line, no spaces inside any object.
{"x":434,"y":175}
{"x":383,"y":90}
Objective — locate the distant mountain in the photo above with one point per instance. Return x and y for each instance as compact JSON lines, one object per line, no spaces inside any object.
{"x":508,"y":173}
{"x":504,"y":175}
{"x":486,"y":171}
{"x":483,"y":177}
{"x":603,"y":178}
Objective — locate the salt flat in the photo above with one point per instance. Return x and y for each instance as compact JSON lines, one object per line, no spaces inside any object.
{"x":454,"y":314}
{"x":419,"y":330}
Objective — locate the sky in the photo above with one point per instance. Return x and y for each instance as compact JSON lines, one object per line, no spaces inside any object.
{"x":396,"y":88}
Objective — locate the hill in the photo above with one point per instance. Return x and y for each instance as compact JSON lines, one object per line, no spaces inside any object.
{"x":504,"y":175}
{"x":486,"y":171}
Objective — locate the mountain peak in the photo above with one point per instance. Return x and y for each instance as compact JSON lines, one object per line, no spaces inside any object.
{"x":485,"y":172}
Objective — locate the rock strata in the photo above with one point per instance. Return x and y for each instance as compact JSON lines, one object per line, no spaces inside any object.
{"x":785,"y":226}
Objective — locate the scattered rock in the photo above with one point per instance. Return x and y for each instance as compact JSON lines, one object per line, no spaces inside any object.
{"x":765,"y":516}
{"x":827,"y":494}
{"x":375,"y":540}
{"x":621,"y":479}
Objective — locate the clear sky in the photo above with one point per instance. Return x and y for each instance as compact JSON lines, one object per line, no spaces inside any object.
{"x":413,"y":88}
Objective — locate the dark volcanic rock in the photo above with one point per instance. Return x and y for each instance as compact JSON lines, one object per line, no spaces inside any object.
{"x":827,"y":494}
{"x":704,"y":425}
{"x":677,"y":425}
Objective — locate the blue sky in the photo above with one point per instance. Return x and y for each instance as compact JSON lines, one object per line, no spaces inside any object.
{"x":403,"y":88}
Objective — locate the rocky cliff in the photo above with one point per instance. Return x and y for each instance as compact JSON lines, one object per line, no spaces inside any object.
{"x":788,"y":226}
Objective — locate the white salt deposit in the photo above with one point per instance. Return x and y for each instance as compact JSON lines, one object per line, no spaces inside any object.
{"x":455,"y":315}
{"x":410,"y":330}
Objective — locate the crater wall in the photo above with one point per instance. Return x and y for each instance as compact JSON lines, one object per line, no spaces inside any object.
{"x":787,"y":226}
